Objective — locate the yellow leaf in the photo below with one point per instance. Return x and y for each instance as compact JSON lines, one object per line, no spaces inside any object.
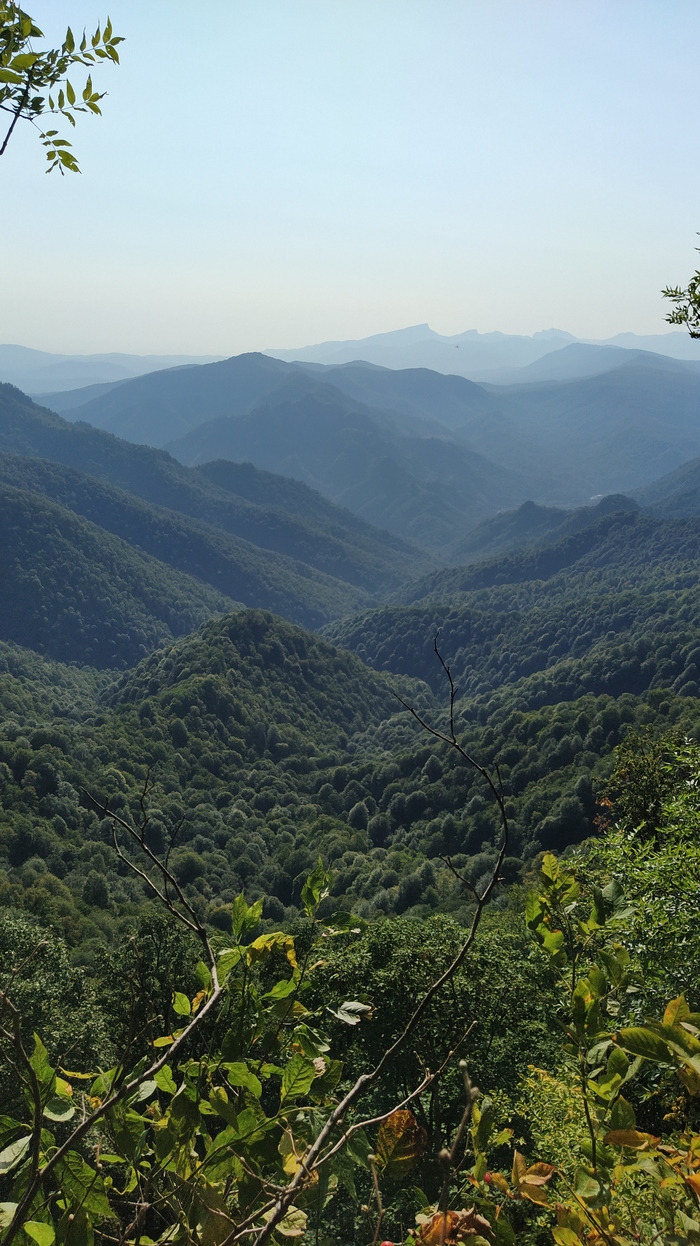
{"x":631,"y":1138}
{"x":445,"y":1228}
{"x":293,"y":1224}
{"x":400,"y":1142}
{"x":534,"y":1193}
{"x":691,"y":1080}
{"x":539,"y":1174}
{"x":291,"y":1157}
{"x":519,"y":1168}
{"x":676,"y":1011}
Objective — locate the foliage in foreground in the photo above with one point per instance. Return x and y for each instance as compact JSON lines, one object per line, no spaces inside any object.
{"x":35,"y":83}
{"x":241,"y":1122}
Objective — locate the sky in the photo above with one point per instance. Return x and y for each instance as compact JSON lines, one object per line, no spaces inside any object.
{"x":271,"y":173}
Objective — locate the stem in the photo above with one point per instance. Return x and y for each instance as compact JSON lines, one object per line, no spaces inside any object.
{"x":18,"y":113}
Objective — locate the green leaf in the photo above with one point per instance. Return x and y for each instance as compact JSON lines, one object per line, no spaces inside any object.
{"x":484,"y":1118}
{"x":552,"y":942}
{"x":297,"y":1077}
{"x":565,"y":1237}
{"x":8,"y":1128}
{"x":327,"y":1082}
{"x":39,"y":1061}
{"x":181,"y":1004}
{"x":14,"y":1153}
{"x":550,"y":868}
{"x":25,"y":60}
{"x":244,"y":917}
{"x":82,"y":1185}
{"x":43,"y":1234}
{"x":599,"y":909}
{"x":204,"y":977}
{"x":281,"y":989}
{"x":641,"y":1041}
{"x":59,"y":1109}
{"x":534,"y":910}
{"x":238,"y":1074}
{"x":144,"y":1091}
{"x":293,"y":1224}
{"x":228,"y":959}
{"x":316,"y":888}
{"x":622,"y":1115}
{"x":586,"y":1186}
{"x":598,"y":982}
{"x":351,"y":1012}
{"x":164,"y":1080}
{"x":7,"y":1211}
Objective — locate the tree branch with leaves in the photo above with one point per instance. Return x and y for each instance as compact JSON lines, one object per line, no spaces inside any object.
{"x":35,"y":83}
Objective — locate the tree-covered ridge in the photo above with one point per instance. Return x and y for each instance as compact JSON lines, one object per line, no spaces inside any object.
{"x":78,"y":594}
{"x":529,"y":525}
{"x":35,"y":689}
{"x":233,"y":567}
{"x":267,"y":746}
{"x":332,"y":541}
{"x":611,"y":609}
{"x":425,"y":488}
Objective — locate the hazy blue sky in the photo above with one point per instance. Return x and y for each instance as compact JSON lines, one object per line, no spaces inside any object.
{"x":277,"y":172}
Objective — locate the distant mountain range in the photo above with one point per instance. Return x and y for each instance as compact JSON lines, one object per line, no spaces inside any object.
{"x":494,"y":357}
{"x":40,"y":372}
{"x":421,"y":454}
{"x":479,"y":356}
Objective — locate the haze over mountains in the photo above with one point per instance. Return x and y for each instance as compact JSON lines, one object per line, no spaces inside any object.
{"x":149,"y":526}
{"x":38,"y":371}
{"x":421,"y":454}
{"x":480,"y":356}
{"x":494,"y":357}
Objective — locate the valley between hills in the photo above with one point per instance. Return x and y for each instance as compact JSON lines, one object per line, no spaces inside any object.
{"x":223,"y":576}
{"x":244,"y":604}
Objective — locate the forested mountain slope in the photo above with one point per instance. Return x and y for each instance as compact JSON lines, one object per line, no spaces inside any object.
{"x":614,"y":609}
{"x":334,"y":542}
{"x":267,"y":746}
{"x":233,"y":567}
{"x":75,"y":592}
{"x":603,"y":434}
{"x":530,"y":524}
{"x":556,"y":441}
{"x":427,"y":488}
{"x":161,"y":406}
{"x":674,"y":495}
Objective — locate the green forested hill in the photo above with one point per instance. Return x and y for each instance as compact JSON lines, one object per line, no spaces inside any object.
{"x":267,"y":746}
{"x":338,"y":544}
{"x":674,"y":495}
{"x":75,"y":592}
{"x":624,"y":543}
{"x":428,"y":488}
{"x":233,"y":567}
{"x":530,"y":525}
{"x":620,"y":602}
